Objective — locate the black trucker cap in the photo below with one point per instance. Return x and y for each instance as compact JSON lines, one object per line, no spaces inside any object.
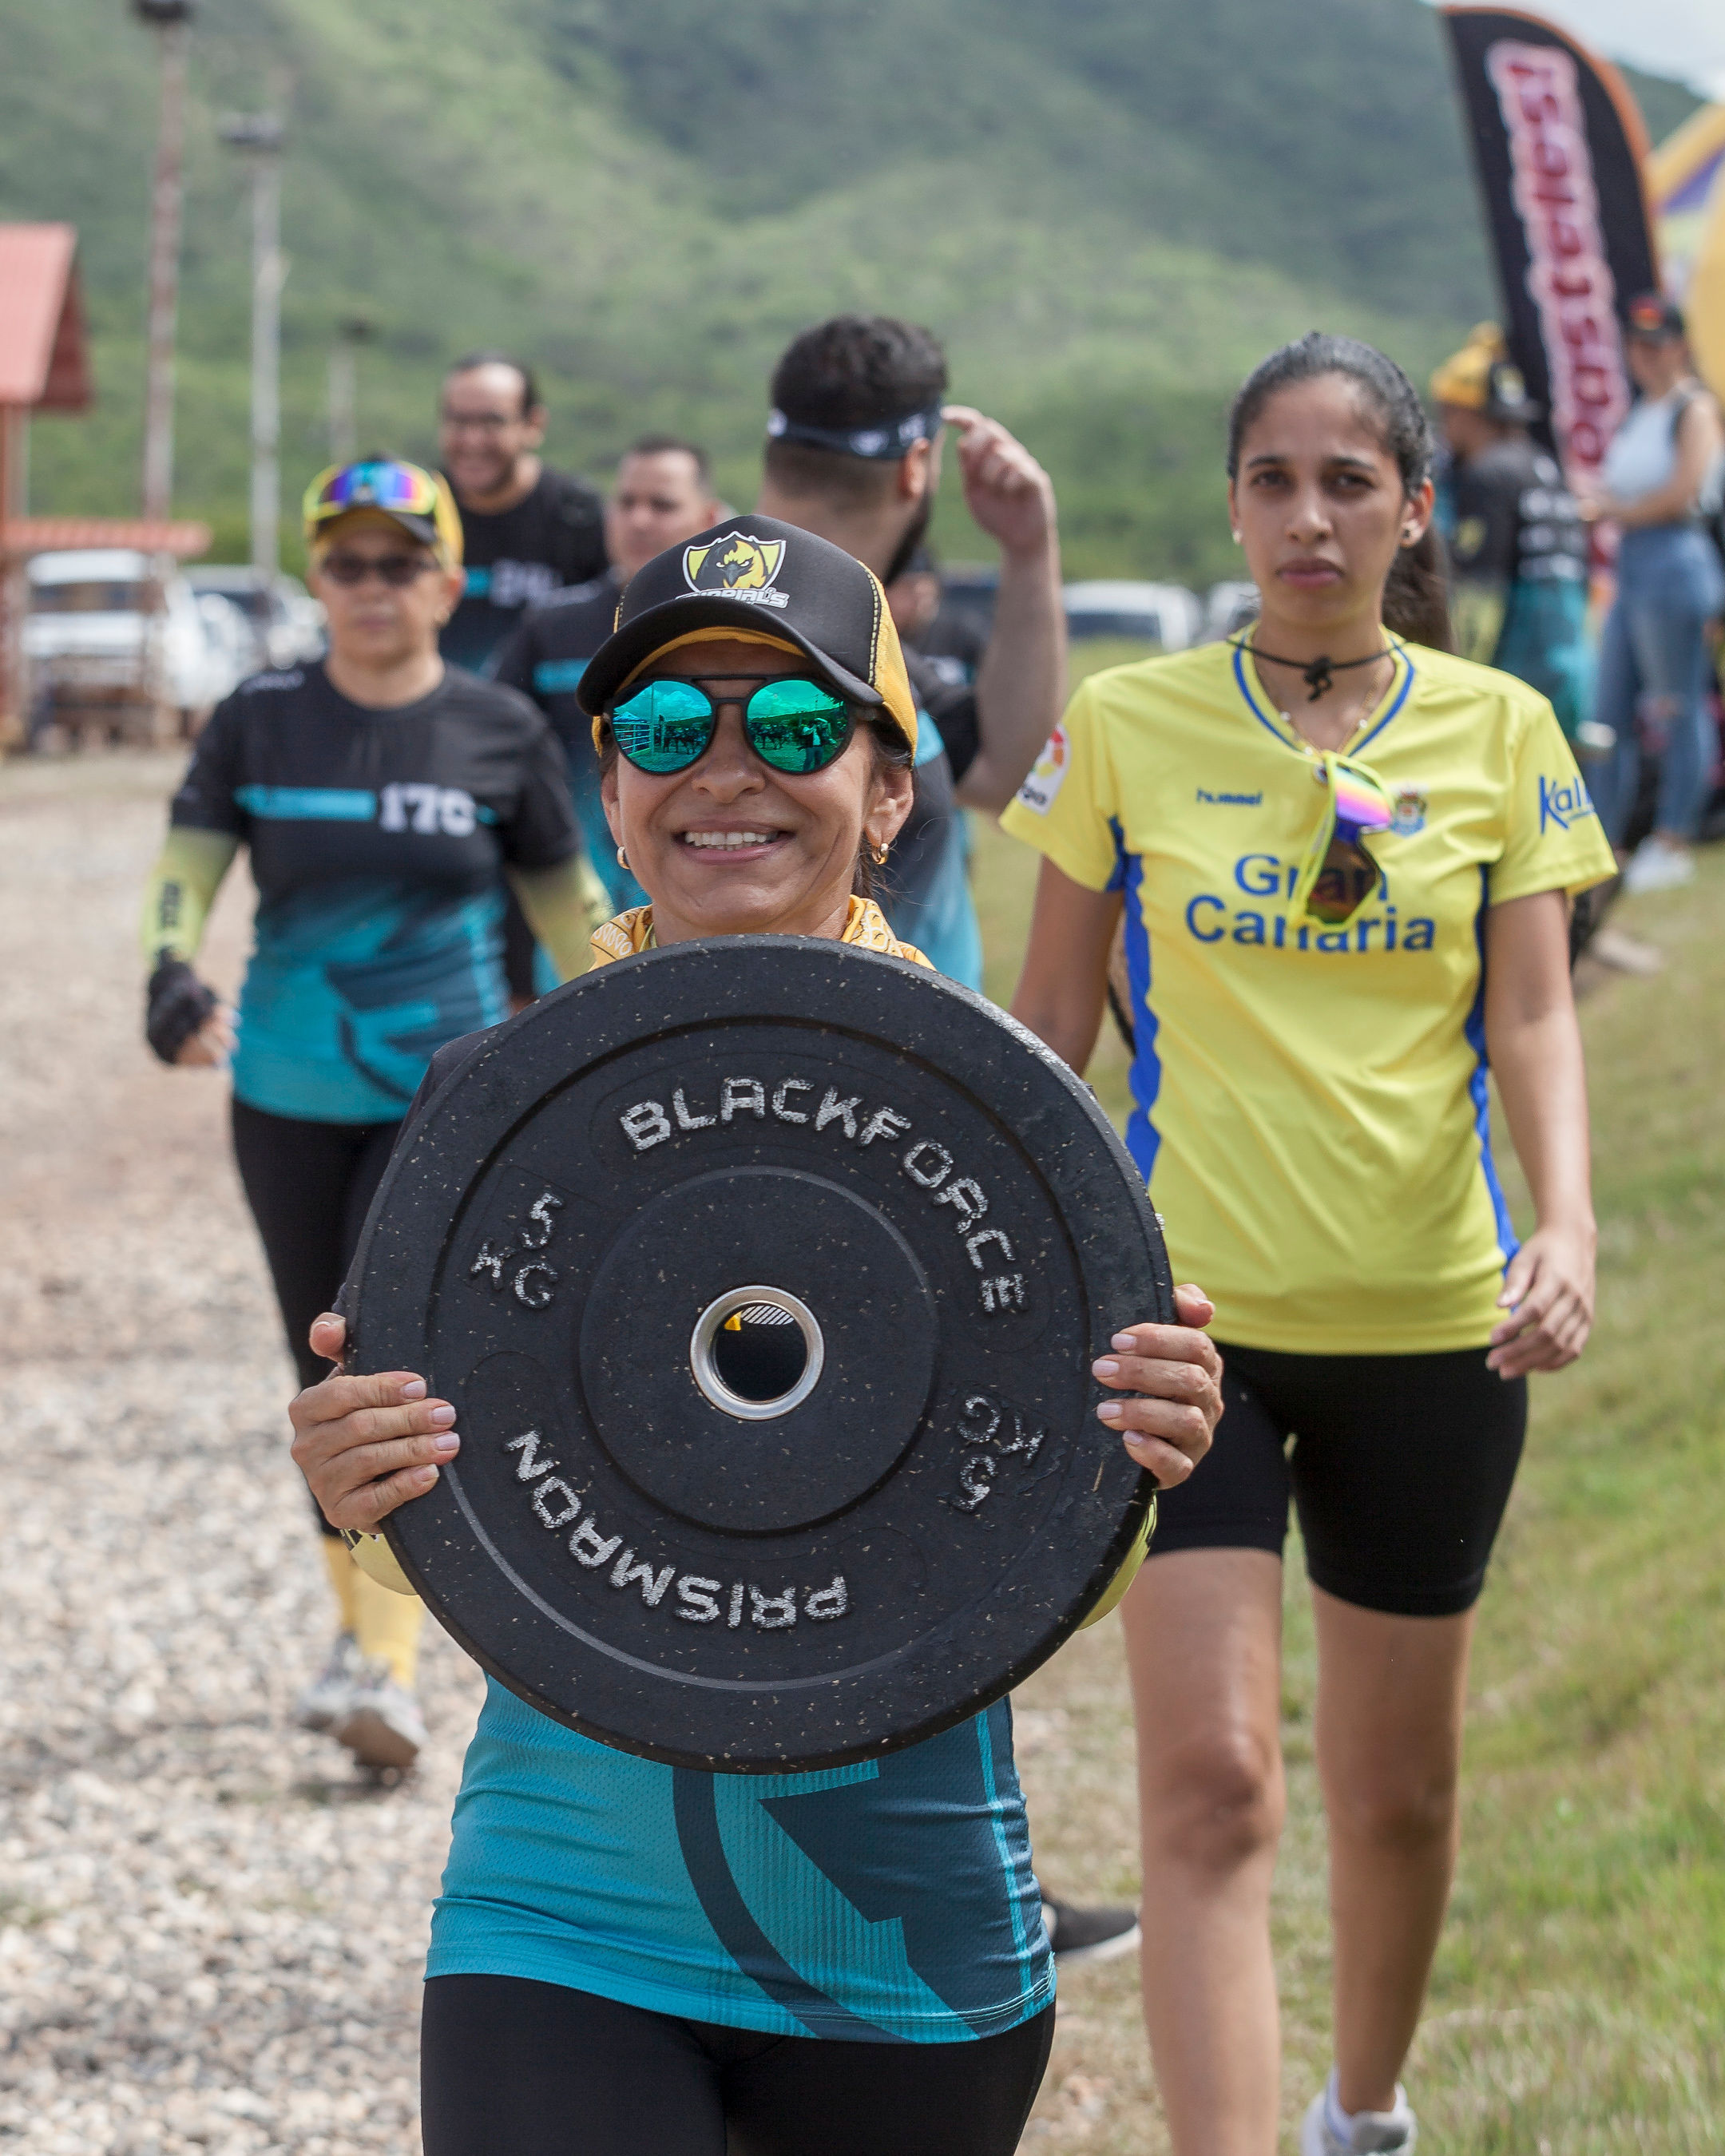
{"x":752,"y":575}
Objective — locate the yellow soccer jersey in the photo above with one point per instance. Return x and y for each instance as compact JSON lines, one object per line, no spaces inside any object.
{"x":1311,"y":1108}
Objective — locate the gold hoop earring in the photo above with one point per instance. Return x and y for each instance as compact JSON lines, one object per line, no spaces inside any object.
{"x":879,"y":854}
{"x":623,"y":859}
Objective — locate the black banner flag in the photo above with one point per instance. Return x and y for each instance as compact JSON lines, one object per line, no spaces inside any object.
{"x":1558,"y":146}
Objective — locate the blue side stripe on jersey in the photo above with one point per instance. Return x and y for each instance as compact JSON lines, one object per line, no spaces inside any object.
{"x":553,"y":674}
{"x":1143,"y":1141}
{"x":1479,"y":1092}
{"x":307,"y":805}
{"x":985,"y":1748}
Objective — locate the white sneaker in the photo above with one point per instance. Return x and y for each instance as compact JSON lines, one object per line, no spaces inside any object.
{"x":1656,"y":867}
{"x":327,"y":1694}
{"x":1394,"y":2131}
{"x":381,"y":1723}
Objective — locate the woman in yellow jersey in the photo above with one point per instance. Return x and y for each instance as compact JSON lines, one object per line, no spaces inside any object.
{"x":857,"y":1965}
{"x":1346,"y":864}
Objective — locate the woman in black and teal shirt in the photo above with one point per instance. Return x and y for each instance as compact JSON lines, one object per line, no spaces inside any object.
{"x":629,"y":1956}
{"x":378,"y":792}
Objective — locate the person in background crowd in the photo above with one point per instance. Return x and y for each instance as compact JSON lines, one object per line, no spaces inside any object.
{"x":1661,"y":474}
{"x":527,"y":531}
{"x":952,"y":644}
{"x":1518,"y":548}
{"x":1345,"y":861}
{"x":662,"y":495}
{"x":854,"y":454}
{"x":381,"y":795}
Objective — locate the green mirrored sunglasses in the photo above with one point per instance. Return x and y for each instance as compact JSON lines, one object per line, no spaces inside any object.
{"x":793,"y":724}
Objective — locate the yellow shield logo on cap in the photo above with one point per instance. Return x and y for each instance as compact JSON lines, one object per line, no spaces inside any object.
{"x":739,"y":566}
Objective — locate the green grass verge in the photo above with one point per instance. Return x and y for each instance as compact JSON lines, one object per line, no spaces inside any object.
{"x":1579,"y":2000}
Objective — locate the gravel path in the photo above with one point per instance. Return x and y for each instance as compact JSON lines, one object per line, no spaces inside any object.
{"x":210,"y":1933}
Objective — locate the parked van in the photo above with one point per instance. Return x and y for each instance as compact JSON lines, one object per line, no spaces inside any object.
{"x":116,"y":651}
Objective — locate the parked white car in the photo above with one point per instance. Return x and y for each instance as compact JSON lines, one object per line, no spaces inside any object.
{"x":1230,"y":608}
{"x":285,"y":622}
{"x":1167,"y":614}
{"x":112,"y":646}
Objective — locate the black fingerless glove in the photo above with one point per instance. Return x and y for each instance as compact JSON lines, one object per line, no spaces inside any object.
{"x":177,"y":1004}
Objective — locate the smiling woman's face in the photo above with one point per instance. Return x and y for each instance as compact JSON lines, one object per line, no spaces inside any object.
{"x":731,"y":847}
{"x":1319,"y":505}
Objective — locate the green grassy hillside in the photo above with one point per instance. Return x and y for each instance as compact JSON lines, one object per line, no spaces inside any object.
{"x":1109,"y":210}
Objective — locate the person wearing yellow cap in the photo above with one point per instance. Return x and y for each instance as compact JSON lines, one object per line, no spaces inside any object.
{"x":856,"y":1964}
{"x":1517,"y":546}
{"x":378,"y":795}
{"x":1344,"y":861}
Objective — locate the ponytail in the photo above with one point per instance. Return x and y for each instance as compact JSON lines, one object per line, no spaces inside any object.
{"x":1416,"y":597}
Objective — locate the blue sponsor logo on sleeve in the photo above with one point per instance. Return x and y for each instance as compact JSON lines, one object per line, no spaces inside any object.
{"x":1563,"y":802}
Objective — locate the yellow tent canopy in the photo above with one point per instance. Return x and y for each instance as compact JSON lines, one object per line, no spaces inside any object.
{"x":1686,"y":189}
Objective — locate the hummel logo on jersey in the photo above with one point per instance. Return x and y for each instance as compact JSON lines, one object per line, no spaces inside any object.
{"x":739,"y":566}
{"x":1231,"y":800}
{"x":1566,"y":803}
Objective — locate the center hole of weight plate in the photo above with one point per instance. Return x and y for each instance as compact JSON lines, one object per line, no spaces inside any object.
{"x":757,"y":1352}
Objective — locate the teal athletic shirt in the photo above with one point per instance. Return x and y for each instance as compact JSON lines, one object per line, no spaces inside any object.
{"x":890,"y":1899}
{"x":377,"y":839}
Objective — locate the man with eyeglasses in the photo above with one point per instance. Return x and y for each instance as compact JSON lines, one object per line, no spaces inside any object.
{"x":527,"y":531}
{"x":661,"y":497}
{"x":854,"y":454}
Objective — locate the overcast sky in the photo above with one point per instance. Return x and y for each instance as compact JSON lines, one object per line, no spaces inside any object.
{"x":1680,"y":38}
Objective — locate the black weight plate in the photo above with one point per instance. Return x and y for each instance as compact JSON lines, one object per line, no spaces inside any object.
{"x":764,"y":1276}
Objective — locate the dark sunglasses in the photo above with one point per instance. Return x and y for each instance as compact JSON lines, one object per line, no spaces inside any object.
{"x":397,"y":570}
{"x":1346,"y":880}
{"x":792,"y":724}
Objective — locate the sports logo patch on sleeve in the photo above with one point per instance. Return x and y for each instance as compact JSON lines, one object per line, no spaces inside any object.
{"x":1048,"y":774}
{"x":1563,"y":802}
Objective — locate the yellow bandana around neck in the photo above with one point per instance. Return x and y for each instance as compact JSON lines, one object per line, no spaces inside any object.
{"x":865,"y":926}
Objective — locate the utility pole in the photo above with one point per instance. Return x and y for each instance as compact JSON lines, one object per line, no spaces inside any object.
{"x":258,"y":138}
{"x":351,"y":332}
{"x":170,"y":20}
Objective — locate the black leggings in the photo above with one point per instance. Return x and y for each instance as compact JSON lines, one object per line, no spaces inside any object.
{"x":1400,"y":1465}
{"x":512,"y":2067}
{"x":310,"y":1187}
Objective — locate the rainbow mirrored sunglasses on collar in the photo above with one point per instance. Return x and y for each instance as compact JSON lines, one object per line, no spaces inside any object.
{"x":402,"y":488}
{"x":795,"y":724}
{"x":1337,"y":875}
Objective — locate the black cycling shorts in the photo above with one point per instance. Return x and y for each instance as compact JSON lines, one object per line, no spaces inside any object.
{"x":1400,"y":1465}
{"x":509,"y":2067}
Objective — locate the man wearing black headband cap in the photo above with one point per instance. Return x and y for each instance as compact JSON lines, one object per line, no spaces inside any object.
{"x":854,"y":454}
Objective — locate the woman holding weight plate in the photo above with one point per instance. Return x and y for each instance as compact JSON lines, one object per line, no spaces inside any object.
{"x":757,"y":760}
{"x":1345,"y":861}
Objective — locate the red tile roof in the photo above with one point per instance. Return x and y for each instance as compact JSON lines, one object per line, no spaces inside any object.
{"x":53,"y":535}
{"x":43,"y":362}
